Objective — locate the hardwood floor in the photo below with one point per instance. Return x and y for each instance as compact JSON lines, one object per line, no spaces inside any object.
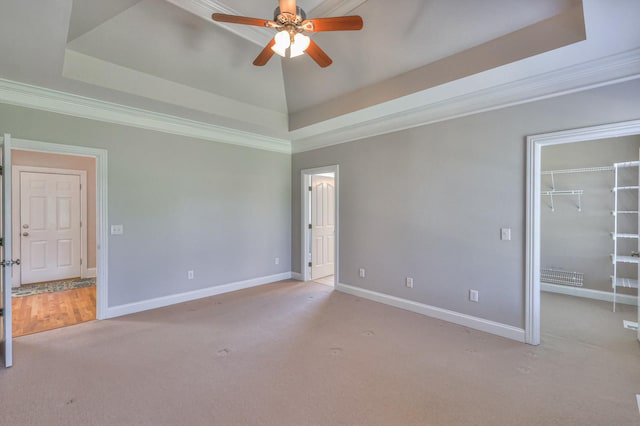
{"x":46,"y":311}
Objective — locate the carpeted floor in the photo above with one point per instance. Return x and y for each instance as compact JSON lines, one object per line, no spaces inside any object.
{"x":301,"y":354}
{"x":52,"y":286}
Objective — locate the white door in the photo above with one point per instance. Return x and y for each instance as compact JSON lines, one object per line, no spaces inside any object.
{"x":49,"y":227}
{"x":322,"y":226}
{"x":6,"y":344}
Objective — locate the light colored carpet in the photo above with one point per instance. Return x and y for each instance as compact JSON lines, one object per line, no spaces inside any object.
{"x":301,"y":354}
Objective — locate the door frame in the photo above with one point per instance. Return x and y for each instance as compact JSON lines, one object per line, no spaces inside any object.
{"x":102,"y":235}
{"x":16,"y":207}
{"x":305,"y":198}
{"x":535,"y":143}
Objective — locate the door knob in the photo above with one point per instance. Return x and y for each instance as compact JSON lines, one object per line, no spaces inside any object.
{"x":25,"y":234}
{"x":25,"y":226}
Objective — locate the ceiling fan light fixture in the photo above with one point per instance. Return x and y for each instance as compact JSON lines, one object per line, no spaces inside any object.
{"x":300,"y":44}
{"x":283,"y":41}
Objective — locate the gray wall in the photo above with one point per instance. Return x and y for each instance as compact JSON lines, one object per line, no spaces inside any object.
{"x":221,"y":210}
{"x":581,"y":241}
{"x":429,"y":202}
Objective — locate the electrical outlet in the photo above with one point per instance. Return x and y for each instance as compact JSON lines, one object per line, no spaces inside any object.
{"x":473,"y":295}
{"x":117,"y":229}
{"x":361,"y":272}
{"x":189,"y":275}
{"x":277,"y":260}
{"x":408,"y":282}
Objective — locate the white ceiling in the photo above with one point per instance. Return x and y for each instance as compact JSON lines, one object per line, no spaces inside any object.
{"x":169,"y":56}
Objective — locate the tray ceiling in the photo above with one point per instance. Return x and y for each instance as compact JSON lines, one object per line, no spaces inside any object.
{"x":169,"y":56}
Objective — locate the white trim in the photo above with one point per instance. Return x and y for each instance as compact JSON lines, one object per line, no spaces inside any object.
{"x":91,"y":273}
{"x":102,"y":235}
{"x":297,"y":276}
{"x":204,"y":9}
{"x":305,"y":175}
{"x":534,"y":169}
{"x":427,"y":107}
{"x":6,"y":344}
{"x":476,"y":323}
{"x":26,"y":95}
{"x":418,"y":109}
{"x":16,"y":206}
{"x":160,"y":302}
{"x":335,"y":8}
{"x":587,"y":293}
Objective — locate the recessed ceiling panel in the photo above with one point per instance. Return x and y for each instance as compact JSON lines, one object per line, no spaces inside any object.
{"x":162,"y":40}
{"x":401,"y":36}
{"x":88,"y":14}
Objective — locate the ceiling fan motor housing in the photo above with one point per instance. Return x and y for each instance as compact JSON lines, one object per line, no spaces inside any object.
{"x":281,"y":18}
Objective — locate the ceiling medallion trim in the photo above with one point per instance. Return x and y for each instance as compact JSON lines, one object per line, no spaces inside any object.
{"x":29,"y":96}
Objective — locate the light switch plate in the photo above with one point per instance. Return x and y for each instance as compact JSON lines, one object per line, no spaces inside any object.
{"x":117,"y":229}
{"x":505,"y":234}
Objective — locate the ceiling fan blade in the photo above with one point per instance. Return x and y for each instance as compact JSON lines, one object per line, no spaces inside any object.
{"x":288,"y":6}
{"x":340,"y":23}
{"x":233,"y":19}
{"x":265,"y":55}
{"x":318,"y":55}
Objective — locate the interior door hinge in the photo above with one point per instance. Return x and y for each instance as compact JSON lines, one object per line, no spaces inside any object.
{"x":310,"y":189}
{"x":1,"y":312}
{"x":81,"y":261}
{"x":309,"y":264}
{"x":1,"y":170}
{"x":1,"y":241}
{"x":310,"y":226}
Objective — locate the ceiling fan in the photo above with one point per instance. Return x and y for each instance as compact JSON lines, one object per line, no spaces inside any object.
{"x":291,"y":23}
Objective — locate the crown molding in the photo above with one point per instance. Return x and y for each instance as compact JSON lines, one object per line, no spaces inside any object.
{"x":205,"y":8}
{"x":416,"y":110}
{"x":405,"y":113}
{"x":257,"y":35}
{"x":335,"y":8}
{"x":29,"y":96}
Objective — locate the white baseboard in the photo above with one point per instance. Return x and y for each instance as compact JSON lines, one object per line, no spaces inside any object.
{"x":297,"y":276}
{"x":476,"y":323}
{"x":91,"y":273}
{"x":160,"y":302}
{"x":606,"y":296}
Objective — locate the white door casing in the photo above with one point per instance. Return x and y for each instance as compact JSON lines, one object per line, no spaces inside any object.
{"x":102,"y":220}
{"x":6,"y":344}
{"x":534,"y":160}
{"x":18,"y":239}
{"x":322,"y":226}
{"x":49,"y":227}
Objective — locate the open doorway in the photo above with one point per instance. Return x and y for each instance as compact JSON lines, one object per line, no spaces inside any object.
{"x":320,"y":225}
{"x":54,"y":236}
{"x":589,"y":240}
{"x":535,"y":204}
